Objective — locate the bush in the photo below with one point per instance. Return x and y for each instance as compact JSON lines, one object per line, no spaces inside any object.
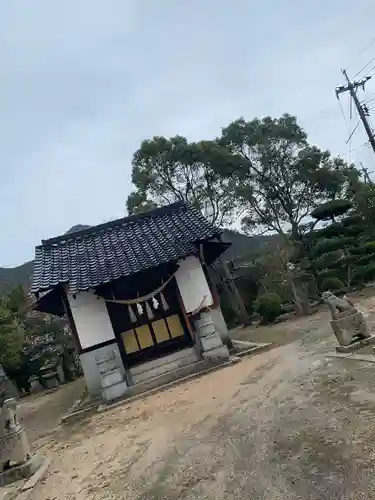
{"x":330,"y":245}
{"x":332,"y":284}
{"x":268,"y":306}
{"x":367,"y":248}
{"x":331,"y":209}
{"x":327,"y":274}
{"x":364,"y":273}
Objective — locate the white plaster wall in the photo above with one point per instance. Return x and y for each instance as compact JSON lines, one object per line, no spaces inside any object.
{"x":192,"y":284}
{"x":91,"y":319}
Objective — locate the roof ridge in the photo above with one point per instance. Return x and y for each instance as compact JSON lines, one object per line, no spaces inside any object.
{"x":156,"y":212}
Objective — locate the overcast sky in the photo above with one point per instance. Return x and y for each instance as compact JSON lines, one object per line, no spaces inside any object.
{"x":84,"y":81}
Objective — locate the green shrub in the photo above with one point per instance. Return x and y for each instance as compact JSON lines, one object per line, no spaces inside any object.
{"x":332,"y":284}
{"x":364,"y":273}
{"x":327,"y":274}
{"x":331,"y":209}
{"x":352,"y":220}
{"x":268,"y":306}
{"x":331,"y":231}
{"x":365,"y":259}
{"x":330,"y":245}
{"x":366,"y":248}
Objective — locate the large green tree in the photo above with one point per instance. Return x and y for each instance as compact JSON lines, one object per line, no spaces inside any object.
{"x":281,"y":177}
{"x":169,"y":170}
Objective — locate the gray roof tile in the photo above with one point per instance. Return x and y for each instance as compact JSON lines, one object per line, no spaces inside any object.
{"x":100,"y":254}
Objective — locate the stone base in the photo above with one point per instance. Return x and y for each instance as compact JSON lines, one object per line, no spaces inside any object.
{"x":22,"y":471}
{"x":216,"y":355}
{"x":354,"y":346}
{"x":14,"y":448}
{"x":115,"y":391}
{"x":348,"y":326}
{"x":212,"y":341}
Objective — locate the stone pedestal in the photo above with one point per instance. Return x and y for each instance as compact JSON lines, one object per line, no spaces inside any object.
{"x":349,"y":325}
{"x":113,"y":385}
{"x":221,"y":326}
{"x":14,"y":447}
{"x":211,"y":345}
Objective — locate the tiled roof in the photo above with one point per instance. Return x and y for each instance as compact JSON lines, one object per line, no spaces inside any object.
{"x":103,"y":253}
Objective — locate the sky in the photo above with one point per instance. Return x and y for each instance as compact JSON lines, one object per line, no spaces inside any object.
{"x":83,"y":82}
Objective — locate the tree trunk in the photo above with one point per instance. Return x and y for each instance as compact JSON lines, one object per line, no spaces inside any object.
{"x":237,"y":302}
{"x":300,"y":295}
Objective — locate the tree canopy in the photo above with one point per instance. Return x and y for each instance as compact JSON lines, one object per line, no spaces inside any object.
{"x":169,"y":170}
{"x":282,"y":178}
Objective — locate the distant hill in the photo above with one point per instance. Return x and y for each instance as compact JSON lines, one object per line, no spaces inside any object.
{"x":241,"y":245}
{"x":12,"y":276}
{"x":21,"y":275}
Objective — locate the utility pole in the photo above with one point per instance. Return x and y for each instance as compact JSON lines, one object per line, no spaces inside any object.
{"x":366,"y":175}
{"x":352,"y":87}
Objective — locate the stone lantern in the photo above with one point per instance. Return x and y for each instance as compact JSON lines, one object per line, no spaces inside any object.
{"x":14,"y":447}
{"x":16,"y":461}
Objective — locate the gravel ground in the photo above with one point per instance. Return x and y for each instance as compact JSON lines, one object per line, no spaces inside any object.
{"x":290,"y":423}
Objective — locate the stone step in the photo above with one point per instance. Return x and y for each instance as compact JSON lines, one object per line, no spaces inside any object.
{"x":182,"y":353}
{"x":163,"y":365}
{"x":166,"y":378}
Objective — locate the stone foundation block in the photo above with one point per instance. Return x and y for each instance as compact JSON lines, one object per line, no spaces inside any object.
{"x":112,"y":377}
{"x":217,"y":355}
{"x":348,"y":325}
{"x":211,"y":342}
{"x":343,"y":336}
{"x":205,"y":325}
{"x":113,"y":392}
{"x":354,"y":346}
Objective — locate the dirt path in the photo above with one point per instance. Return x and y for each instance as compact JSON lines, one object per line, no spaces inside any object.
{"x":290,"y":423}
{"x":42,"y":412}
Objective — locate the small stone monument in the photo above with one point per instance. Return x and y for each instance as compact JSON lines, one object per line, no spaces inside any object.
{"x":348,"y":323}
{"x":16,"y":461}
{"x":14,"y":448}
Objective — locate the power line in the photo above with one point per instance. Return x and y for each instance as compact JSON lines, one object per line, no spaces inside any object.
{"x":364,"y":67}
{"x":343,"y":114}
{"x":369,"y":100}
{"x":361,"y":52}
{"x":352,"y":132}
{"x":367,"y":46}
{"x":372,"y":67}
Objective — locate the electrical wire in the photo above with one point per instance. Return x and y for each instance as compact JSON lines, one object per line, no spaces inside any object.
{"x":361,"y":52}
{"x":373,"y":67}
{"x":354,"y":129}
{"x":351,"y":132}
{"x":364,"y":67}
{"x":343,"y":114}
{"x":369,"y":100}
